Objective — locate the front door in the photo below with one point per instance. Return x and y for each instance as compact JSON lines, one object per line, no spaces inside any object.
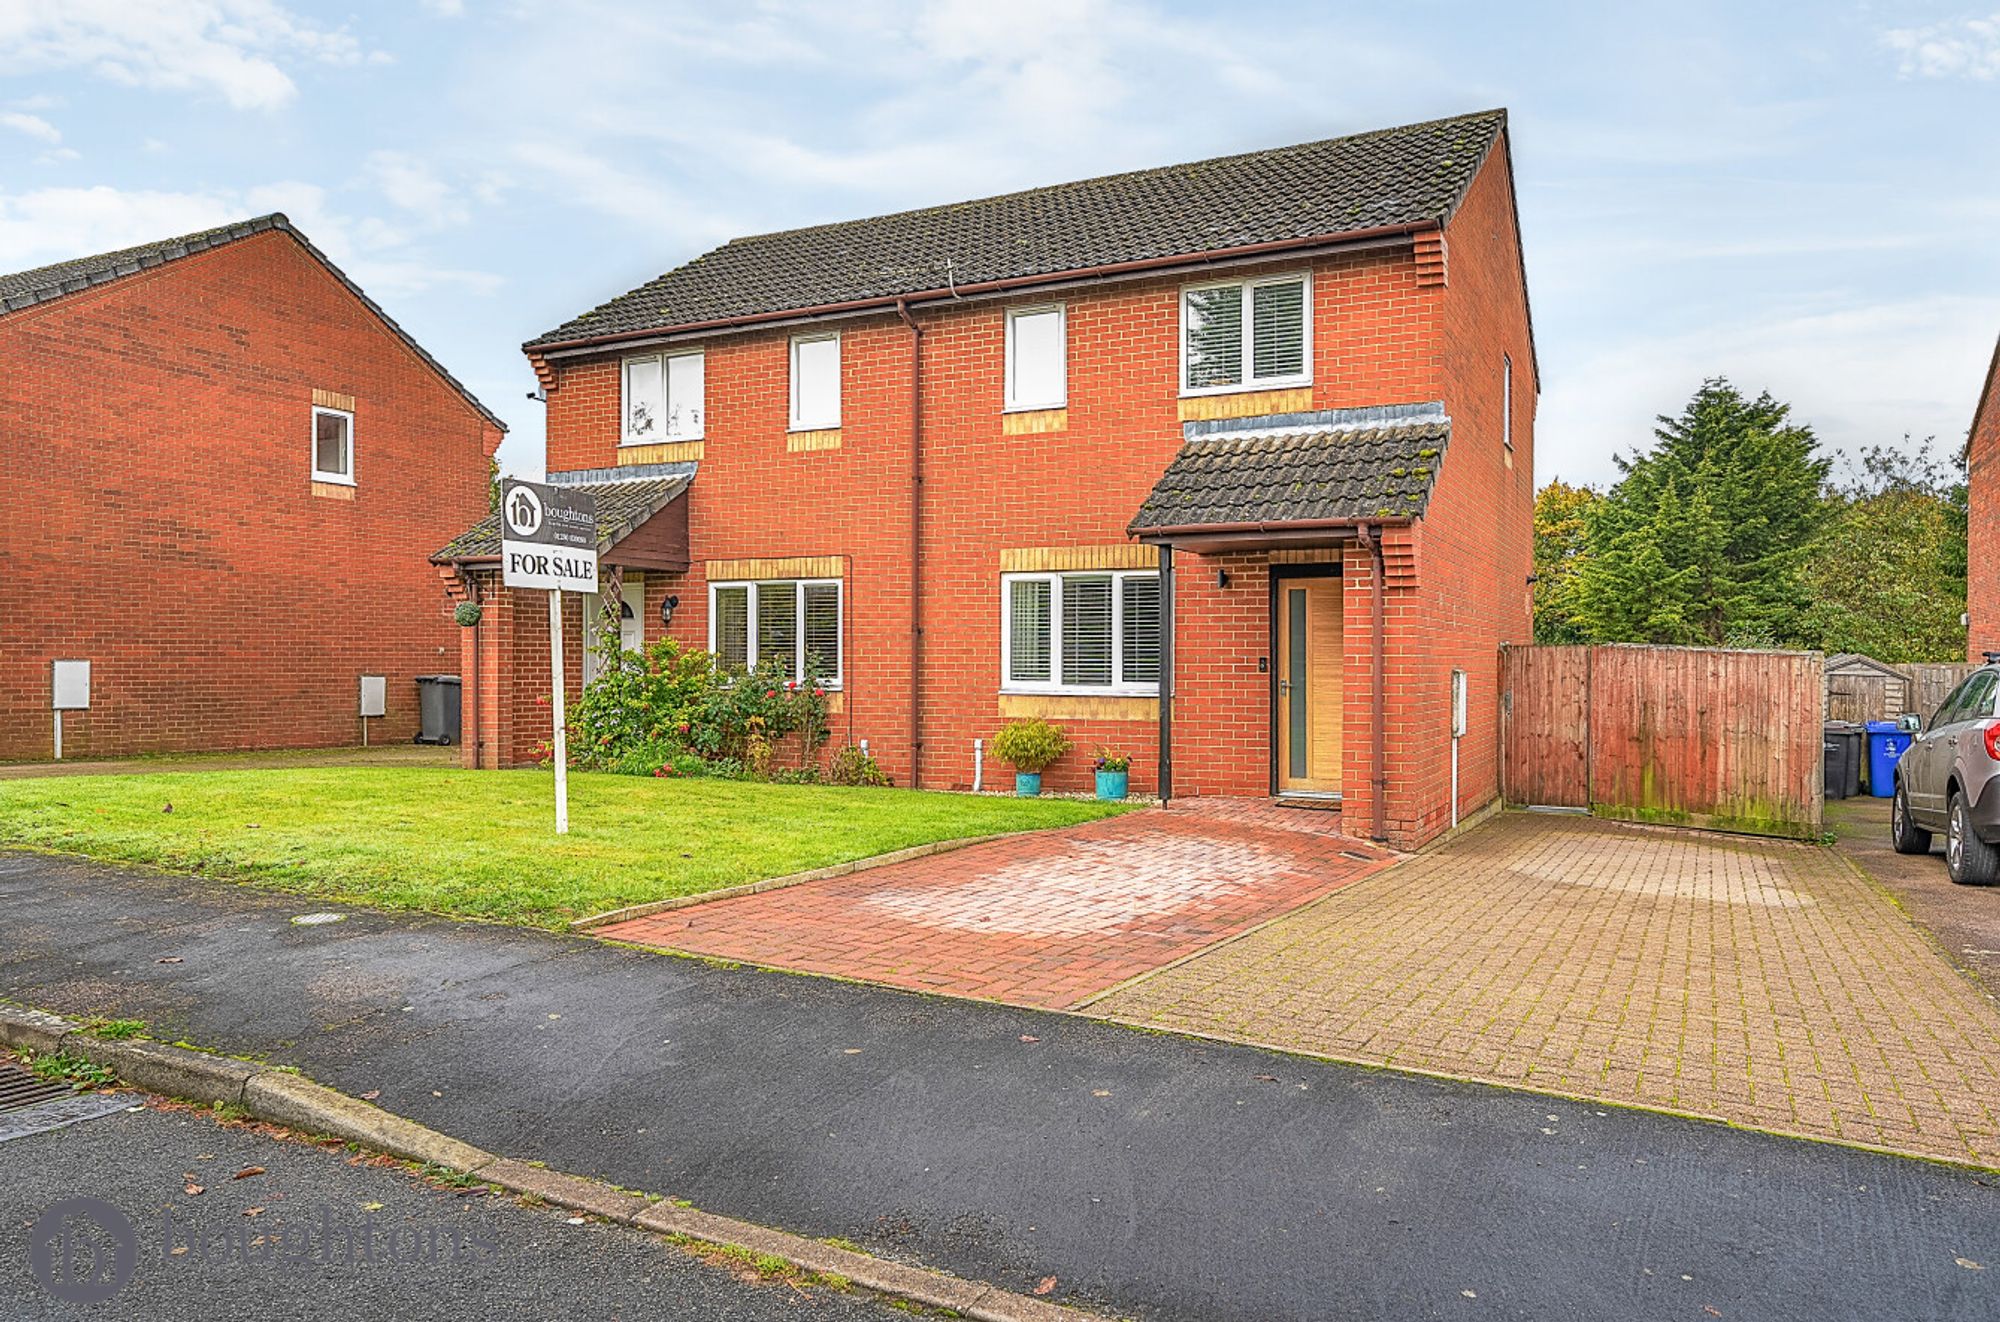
{"x":1309,"y":668}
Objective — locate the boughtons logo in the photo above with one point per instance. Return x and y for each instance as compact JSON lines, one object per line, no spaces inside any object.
{"x":524,"y":512}
{"x":83,"y":1250}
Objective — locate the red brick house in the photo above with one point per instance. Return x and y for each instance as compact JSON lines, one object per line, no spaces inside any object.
{"x":1982,"y":455}
{"x":1226,"y":465}
{"x":222,"y":471}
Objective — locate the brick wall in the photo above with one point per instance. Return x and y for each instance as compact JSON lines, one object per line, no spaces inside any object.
{"x":159,"y":517}
{"x":1982,"y":603}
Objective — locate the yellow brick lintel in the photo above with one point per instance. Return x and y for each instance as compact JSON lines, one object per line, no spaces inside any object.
{"x":333,"y":399}
{"x":1033,"y":422}
{"x":826,"y":439}
{"x":333,"y":490}
{"x":668,"y":452}
{"x":1246,"y":404}
{"x":1323,"y":555}
{"x":1041,"y":559}
{"x":1078,"y":707}
{"x":797,"y":566}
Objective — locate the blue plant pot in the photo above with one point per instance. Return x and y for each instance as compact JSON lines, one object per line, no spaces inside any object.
{"x":1027,"y":784}
{"x":1113,"y":784}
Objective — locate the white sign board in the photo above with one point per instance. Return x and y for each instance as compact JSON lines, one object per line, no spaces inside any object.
{"x":72,"y":686}
{"x":548,"y":537}
{"x":374,"y":695}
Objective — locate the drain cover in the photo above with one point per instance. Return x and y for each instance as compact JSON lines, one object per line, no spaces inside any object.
{"x":29,"y":1105}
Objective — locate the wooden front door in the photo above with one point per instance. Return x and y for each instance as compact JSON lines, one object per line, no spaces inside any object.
{"x":1309,"y":669}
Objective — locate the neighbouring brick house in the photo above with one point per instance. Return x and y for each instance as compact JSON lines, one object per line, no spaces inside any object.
{"x":1231,"y":459}
{"x":222,"y":471}
{"x":1982,"y":455}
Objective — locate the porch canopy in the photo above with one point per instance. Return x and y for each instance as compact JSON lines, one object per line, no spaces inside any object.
{"x":642,"y":520}
{"x":1294,"y":479}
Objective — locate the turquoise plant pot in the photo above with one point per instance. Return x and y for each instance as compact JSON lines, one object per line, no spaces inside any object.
{"x":1027,"y":784}
{"x":1113,"y":784}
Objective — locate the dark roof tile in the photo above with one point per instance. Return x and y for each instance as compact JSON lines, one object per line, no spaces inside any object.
{"x":1401,"y":176}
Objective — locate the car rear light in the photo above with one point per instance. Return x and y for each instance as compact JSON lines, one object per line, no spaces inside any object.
{"x":1992,"y":732}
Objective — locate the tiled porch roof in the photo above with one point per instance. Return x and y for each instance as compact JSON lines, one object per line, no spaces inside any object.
{"x":626,"y":498}
{"x":1300,"y":468}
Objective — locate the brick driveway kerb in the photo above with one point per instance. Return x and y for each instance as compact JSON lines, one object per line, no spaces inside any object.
{"x":1763,"y":983}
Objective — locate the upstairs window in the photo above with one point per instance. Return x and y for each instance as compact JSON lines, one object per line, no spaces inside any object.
{"x":1037,"y":359}
{"x":815,"y":382}
{"x":793,"y":621}
{"x":663,"y":398}
{"x":333,"y":445}
{"x":1246,"y":335}
{"x":1507,"y":400}
{"x":1084,"y":633}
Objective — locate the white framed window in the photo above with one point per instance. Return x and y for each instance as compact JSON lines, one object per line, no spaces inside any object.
{"x":332,"y":445}
{"x":663,"y":398}
{"x":1507,"y":400}
{"x":1246,"y":334}
{"x":797,"y":621}
{"x":1087,"y":632}
{"x":815,"y":382}
{"x":1037,"y":358}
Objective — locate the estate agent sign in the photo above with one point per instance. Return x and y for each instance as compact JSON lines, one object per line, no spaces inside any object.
{"x":548,"y":539}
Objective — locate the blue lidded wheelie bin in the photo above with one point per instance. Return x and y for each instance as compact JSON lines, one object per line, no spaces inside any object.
{"x":1887,"y":742}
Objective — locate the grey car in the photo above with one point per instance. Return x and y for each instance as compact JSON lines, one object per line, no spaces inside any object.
{"x":1949,"y":781}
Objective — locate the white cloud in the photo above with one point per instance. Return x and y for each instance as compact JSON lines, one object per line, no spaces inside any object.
{"x":446,"y":8}
{"x":33,"y":126}
{"x":413,"y":186}
{"x":228,"y":48}
{"x":1859,"y":374}
{"x":1965,"y":48}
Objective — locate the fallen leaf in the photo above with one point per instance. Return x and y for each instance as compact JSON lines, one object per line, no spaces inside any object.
{"x":196,"y":1189}
{"x":1046,"y":1285}
{"x":1100,"y":1092}
{"x":253,"y":1211}
{"x":1029,"y":1037}
{"x":168,"y":808}
{"x":1969,"y":1264}
{"x":436,"y":1093}
{"x":1267,"y":1078}
{"x":247,"y":1172}
{"x":1711,"y":1310}
{"x":168,"y":959}
{"x":371,"y":1207}
{"x":371,"y":1094}
{"x":178,"y":1250}
{"x":1468,"y":1294}
{"x":575,"y":1221}
{"x":852,"y":1051}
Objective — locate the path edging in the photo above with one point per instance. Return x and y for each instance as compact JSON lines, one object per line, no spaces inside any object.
{"x":284,"y":1097}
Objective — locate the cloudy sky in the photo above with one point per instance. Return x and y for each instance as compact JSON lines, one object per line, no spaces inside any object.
{"x":1803,"y":197}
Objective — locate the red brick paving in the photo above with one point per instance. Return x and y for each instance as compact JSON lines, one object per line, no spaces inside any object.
{"x":1048,"y":919}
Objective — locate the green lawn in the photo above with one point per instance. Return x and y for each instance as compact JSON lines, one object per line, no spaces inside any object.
{"x":483,"y":844}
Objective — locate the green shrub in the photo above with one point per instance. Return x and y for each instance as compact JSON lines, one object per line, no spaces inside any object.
{"x":850,"y":766}
{"x":1030,"y":745}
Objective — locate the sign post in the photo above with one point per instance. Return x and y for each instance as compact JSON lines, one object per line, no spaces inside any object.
{"x":548,"y":539}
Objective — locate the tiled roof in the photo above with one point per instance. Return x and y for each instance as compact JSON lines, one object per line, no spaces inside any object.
{"x":1400,"y":176}
{"x":25,"y":289}
{"x":1301,"y":468}
{"x":623,"y":504}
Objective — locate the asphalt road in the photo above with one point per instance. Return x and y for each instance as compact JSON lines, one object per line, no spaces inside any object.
{"x":485,"y":1255}
{"x":1162,"y":1177}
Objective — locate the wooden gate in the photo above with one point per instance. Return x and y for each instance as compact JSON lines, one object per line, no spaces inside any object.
{"x":1697,"y":736}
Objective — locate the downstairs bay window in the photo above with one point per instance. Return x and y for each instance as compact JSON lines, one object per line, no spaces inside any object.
{"x":794,"y":621}
{"x":1080,"y":633}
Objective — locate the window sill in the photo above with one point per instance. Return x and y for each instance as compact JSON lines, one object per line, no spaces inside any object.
{"x":799,"y":428}
{"x":345,"y":480}
{"x":1249,"y":388}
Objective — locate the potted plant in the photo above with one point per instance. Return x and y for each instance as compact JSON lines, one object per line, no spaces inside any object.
{"x":1114,"y":774}
{"x":1029,"y":747}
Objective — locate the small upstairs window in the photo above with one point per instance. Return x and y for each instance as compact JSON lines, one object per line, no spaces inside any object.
{"x":815,"y":382}
{"x":663,"y":398}
{"x":1246,"y":334}
{"x":1037,"y":359}
{"x":332,"y":445}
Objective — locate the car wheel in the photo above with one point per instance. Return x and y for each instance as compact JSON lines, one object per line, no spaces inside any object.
{"x":1905,"y":836}
{"x":1969,"y":860}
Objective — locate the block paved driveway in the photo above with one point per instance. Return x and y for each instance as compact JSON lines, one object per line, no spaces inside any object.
{"x":1762,"y":982}
{"x":1047,"y":919}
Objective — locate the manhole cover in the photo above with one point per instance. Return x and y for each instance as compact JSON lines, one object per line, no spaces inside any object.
{"x":315,"y":919}
{"x":29,"y":1105}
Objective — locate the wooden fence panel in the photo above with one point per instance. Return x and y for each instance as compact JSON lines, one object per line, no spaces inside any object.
{"x":1546,"y":733}
{"x":1697,"y":736}
{"x":1932,"y":684}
